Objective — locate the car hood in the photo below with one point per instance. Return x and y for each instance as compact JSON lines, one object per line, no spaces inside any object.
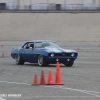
{"x":58,"y":50}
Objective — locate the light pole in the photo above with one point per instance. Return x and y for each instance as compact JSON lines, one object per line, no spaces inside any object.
{"x":47,"y":1}
{"x":99,"y":4}
{"x":30,"y":2}
{"x":82,"y":4}
{"x":93,"y":1}
{"x":65,"y":4}
{"x":18,"y":4}
{"x":47,"y":5}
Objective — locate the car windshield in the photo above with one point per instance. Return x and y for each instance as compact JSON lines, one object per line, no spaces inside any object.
{"x":46,"y":45}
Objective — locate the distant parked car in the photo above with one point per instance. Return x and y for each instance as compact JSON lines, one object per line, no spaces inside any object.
{"x":43,"y":52}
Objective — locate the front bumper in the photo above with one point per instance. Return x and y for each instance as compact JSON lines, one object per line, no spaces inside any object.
{"x":59,"y":59}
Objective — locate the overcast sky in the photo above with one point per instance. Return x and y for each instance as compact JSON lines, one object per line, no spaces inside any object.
{"x":27,"y":2}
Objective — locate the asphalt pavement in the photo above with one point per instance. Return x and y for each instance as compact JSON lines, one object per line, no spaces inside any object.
{"x":81,"y":81}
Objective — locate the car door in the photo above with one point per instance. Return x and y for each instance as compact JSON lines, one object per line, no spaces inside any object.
{"x":28,"y":52}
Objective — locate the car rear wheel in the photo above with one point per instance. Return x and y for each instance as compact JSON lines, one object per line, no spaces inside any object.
{"x":18,"y":60}
{"x":41,"y":61}
{"x":69,"y":64}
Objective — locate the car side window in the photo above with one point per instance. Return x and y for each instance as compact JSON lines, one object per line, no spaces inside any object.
{"x":29,"y":45}
{"x":25,"y":46}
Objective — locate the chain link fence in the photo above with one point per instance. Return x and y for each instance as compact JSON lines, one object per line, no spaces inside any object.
{"x":50,"y":5}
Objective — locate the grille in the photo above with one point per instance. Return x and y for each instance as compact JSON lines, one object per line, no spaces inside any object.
{"x":63,"y":54}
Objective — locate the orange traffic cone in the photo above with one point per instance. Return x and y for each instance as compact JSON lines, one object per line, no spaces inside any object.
{"x":2,"y":46}
{"x":2,"y":56}
{"x":78,"y":48}
{"x":50,"y":80}
{"x":42,"y":81}
{"x":35,"y":82}
{"x":58,"y":76}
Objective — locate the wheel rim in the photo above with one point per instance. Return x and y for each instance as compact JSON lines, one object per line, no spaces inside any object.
{"x":40,"y":60}
{"x":17,"y":58}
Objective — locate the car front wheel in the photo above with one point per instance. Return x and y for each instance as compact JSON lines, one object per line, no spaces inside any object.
{"x":69,"y":64}
{"x":41,"y":61}
{"x":18,"y":60}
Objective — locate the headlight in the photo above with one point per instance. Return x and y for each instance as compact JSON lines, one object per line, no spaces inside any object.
{"x":52,"y":54}
{"x":72,"y":54}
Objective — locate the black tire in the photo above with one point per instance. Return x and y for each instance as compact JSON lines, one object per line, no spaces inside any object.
{"x":18,"y":60}
{"x":69,"y":64}
{"x":41,"y":61}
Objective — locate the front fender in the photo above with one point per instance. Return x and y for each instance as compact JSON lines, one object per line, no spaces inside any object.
{"x":13,"y":52}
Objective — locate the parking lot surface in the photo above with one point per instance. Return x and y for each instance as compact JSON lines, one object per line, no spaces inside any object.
{"x":81,"y":81}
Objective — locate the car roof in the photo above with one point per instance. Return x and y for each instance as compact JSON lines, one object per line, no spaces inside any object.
{"x":41,"y":41}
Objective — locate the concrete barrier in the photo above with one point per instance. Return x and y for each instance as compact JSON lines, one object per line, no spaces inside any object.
{"x":53,"y":26}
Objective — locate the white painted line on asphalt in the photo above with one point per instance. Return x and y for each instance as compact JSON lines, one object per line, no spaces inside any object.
{"x":78,"y":90}
{"x":58,"y":97}
{"x":14,"y":83}
{"x":81,"y":90}
{"x":61,"y":87}
{"x":7,"y":73}
{"x":93,"y":91}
